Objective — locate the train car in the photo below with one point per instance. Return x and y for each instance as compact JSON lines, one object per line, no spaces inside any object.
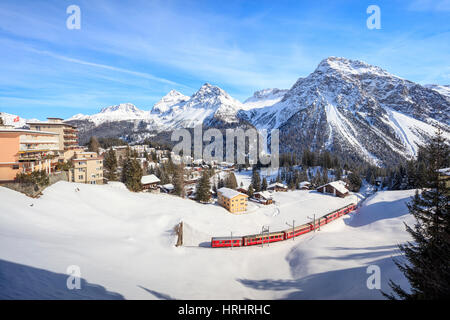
{"x":221,"y":242}
{"x":332,"y":216}
{"x":261,"y":239}
{"x":256,"y":239}
{"x":289,"y":233}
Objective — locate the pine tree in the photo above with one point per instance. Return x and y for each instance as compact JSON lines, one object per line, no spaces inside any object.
{"x":264,"y":184}
{"x":132,"y":174}
{"x":256,"y":180}
{"x":325,"y":176}
{"x":93,"y":144}
{"x":230,"y":181}
{"x":338,"y":173}
{"x":178,"y":181}
{"x":428,"y":267}
{"x":203,"y":188}
{"x":1,"y":121}
{"x":250,"y":191}
{"x":110,"y":165}
{"x":354,"y":181}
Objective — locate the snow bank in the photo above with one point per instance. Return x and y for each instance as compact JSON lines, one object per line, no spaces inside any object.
{"x":124,"y":243}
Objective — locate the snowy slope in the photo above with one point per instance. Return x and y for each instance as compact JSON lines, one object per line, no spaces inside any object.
{"x":123,"y":242}
{"x":123,"y":111}
{"x":264,"y":98}
{"x":444,"y":90}
{"x":8,"y":119}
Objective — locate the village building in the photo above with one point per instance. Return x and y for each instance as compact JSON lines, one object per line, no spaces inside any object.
{"x":242,"y":190}
{"x":24,"y":151}
{"x":304,"y":185}
{"x":150,"y":183}
{"x":168,"y":188}
{"x":232,"y":200}
{"x":264,"y":197}
{"x":67,"y":135}
{"x":87,"y":168}
{"x":120,"y":153}
{"x":278,"y":187}
{"x":151,"y":164}
{"x":336,"y":188}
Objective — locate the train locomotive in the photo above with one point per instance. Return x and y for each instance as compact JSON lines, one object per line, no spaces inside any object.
{"x":256,"y":239}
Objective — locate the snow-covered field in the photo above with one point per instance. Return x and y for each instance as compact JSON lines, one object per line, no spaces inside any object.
{"x":123,"y":243}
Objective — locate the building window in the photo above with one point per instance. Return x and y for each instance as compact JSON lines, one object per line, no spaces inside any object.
{"x":15,"y":167}
{"x":80,"y":177}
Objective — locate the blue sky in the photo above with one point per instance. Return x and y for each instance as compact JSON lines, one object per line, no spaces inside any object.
{"x":137,"y":51}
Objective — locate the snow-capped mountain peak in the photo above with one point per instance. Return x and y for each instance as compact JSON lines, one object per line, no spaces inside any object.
{"x":349,"y":67}
{"x":209,"y":102}
{"x":169,"y":100}
{"x":120,"y":112}
{"x":355,"y":109}
{"x":122,"y":108}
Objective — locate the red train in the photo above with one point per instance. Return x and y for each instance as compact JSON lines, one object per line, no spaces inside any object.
{"x":251,"y":240}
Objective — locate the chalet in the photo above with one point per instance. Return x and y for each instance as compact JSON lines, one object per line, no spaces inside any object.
{"x":232,"y":200}
{"x":304,"y":185}
{"x":150,"y":182}
{"x":263,"y":197}
{"x":336,"y":188}
{"x":167,"y":188}
{"x":242,"y":190}
{"x":277,"y":186}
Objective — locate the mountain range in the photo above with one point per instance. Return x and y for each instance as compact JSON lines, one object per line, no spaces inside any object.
{"x":351,"y":108}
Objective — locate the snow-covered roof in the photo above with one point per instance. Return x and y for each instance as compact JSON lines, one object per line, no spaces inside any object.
{"x":276,"y":184}
{"x":304,"y":184}
{"x":265,"y":194}
{"x":168,"y":186}
{"x":339,"y":185}
{"x":230,"y":193}
{"x":151,"y":178}
{"x":444,"y":171}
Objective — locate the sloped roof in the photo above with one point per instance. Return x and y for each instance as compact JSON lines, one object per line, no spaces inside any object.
{"x":151,"y":178}
{"x":339,"y":185}
{"x":277,"y":184}
{"x":304,"y":184}
{"x":168,"y":186}
{"x":230,"y":193}
{"x":265,"y":194}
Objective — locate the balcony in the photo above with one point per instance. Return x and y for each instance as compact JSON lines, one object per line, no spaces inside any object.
{"x":36,"y":155}
{"x":70,"y":131}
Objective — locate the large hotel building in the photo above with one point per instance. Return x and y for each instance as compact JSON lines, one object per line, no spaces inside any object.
{"x":67,"y":134}
{"x":26,"y":151}
{"x":42,"y":147}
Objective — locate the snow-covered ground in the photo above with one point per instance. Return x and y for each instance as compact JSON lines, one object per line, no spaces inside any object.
{"x":123,"y":243}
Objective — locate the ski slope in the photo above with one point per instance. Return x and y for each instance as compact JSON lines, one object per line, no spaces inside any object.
{"x":123,"y":243}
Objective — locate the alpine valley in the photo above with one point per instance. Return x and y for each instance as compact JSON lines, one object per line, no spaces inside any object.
{"x":353,"y":109}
